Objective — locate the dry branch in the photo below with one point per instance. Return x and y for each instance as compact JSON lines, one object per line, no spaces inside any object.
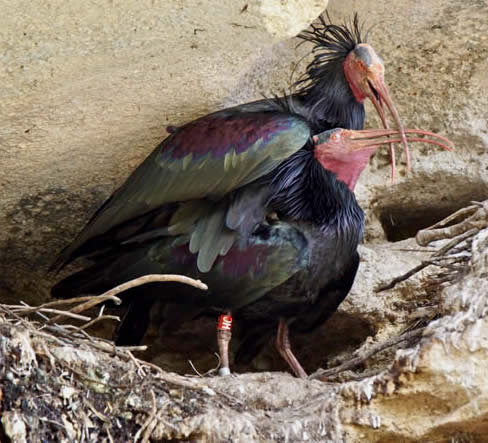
{"x":111,"y":294}
{"x":368,"y":353}
{"x":438,"y":255}
{"x":463,"y":231}
{"x":477,"y":218}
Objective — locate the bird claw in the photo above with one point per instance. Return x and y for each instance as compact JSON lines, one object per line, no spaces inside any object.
{"x":224,"y":371}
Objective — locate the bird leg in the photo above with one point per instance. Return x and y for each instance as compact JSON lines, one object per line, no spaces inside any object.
{"x":224,"y":334}
{"x":284,"y":348}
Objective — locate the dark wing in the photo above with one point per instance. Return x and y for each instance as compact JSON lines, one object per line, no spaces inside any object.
{"x":270,"y":257}
{"x":207,"y":158}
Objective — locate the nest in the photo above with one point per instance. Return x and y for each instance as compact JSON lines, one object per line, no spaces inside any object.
{"x":57,"y":382}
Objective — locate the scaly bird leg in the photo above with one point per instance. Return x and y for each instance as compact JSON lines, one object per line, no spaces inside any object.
{"x":284,"y":348}
{"x":224,"y":334}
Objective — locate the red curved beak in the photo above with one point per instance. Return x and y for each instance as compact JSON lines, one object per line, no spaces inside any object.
{"x":377,"y":84}
{"x":372,"y":139}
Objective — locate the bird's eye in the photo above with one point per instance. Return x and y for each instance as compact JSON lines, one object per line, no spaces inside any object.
{"x":335,"y":137}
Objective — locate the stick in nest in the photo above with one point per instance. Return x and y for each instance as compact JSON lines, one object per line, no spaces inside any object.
{"x":150,"y":418}
{"x":363,"y":356}
{"x":110,"y":295}
{"x":440,"y":253}
{"x":475,"y":219}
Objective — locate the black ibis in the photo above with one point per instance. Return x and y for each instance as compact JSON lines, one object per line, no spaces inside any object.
{"x":203,"y":196}
{"x":292,"y":272}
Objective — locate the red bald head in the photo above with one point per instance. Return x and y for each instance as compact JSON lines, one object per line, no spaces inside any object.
{"x":365,"y":73}
{"x":347,"y":152}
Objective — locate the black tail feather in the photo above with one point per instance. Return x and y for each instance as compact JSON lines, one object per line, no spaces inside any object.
{"x":87,"y":281}
{"x":135,"y":321}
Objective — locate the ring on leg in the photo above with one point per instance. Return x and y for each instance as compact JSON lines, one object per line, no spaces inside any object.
{"x":224,"y":335}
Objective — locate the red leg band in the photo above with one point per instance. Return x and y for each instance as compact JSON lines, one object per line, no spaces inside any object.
{"x":224,"y":323}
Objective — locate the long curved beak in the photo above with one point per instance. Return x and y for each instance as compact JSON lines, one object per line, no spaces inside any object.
{"x":372,"y":139}
{"x":382,"y":96}
{"x":369,"y":138}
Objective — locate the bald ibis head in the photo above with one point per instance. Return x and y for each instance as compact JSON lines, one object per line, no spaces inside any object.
{"x":345,"y":71}
{"x":347,"y":152}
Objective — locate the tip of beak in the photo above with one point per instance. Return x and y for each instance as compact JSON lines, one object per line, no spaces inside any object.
{"x":393,"y":162}
{"x":407,"y":155}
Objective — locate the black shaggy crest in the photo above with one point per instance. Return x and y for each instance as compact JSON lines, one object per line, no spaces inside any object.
{"x":323,"y":89}
{"x":331,"y":42}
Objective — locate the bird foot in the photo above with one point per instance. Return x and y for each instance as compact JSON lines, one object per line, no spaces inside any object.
{"x":224,"y":371}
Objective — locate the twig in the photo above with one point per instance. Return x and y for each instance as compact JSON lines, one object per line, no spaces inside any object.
{"x":146,"y":438}
{"x":454,"y":242}
{"x":353,"y":362}
{"x":149,"y":419}
{"x":54,"y":423}
{"x":210,"y":371}
{"x":92,"y":302}
{"x":402,"y":277}
{"x":167,"y":377}
{"x":96,"y":300}
{"x":76,"y":330}
{"x":102,"y":346}
{"x":70,"y":301}
{"x":132,"y":348}
{"x":140,"y":369}
{"x":477,"y":217}
{"x":195,"y":369}
{"x":150,"y":278}
{"x":55,"y":311}
{"x":468,"y":211}
{"x":99,"y":318}
{"x":98,"y":414}
{"x":44,"y":317}
{"x":109,"y":434}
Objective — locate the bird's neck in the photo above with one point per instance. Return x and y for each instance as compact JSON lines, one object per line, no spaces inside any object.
{"x":329,"y":102}
{"x":303,"y":190}
{"x":347,"y":169}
